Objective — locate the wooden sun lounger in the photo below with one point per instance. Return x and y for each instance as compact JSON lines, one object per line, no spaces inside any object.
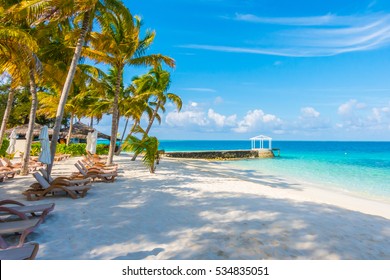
{"x":27,"y":251}
{"x":24,"y":226}
{"x":96,"y":174}
{"x":44,"y":209}
{"x":43,"y":188}
{"x":72,"y":180}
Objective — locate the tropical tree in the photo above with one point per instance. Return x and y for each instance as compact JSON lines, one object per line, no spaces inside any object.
{"x":119,"y":44}
{"x":53,"y":11}
{"x":155,"y":85}
{"x":147,"y":145}
{"x":16,"y":49}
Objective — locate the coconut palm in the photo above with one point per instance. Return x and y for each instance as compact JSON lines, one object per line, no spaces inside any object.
{"x":118,"y":45}
{"x":16,"y":48}
{"x":155,"y":84}
{"x":54,"y":11}
{"x":148,"y":145}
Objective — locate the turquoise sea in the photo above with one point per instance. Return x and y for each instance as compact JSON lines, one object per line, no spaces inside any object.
{"x":361,"y":168}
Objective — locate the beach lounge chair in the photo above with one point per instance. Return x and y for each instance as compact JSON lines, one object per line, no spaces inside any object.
{"x":32,"y":166}
{"x":96,"y":174}
{"x":23,"y":225}
{"x":72,"y":180}
{"x":4,"y":174}
{"x":34,"y":210}
{"x":27,"y":251}
{"x":43,"y":187}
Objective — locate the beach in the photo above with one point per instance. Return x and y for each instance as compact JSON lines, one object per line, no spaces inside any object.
{"x":196,"y":209}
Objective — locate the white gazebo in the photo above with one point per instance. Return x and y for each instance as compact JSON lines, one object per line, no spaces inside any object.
{"x":261,"y":139}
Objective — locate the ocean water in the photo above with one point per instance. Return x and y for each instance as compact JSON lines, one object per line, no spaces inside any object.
{"x":360,"y":168}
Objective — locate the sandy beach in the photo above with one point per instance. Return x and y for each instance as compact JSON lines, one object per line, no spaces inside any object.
{"x":195,"y":209}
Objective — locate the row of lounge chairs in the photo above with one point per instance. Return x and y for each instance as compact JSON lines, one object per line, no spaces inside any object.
{"x":26,"y":218}
{"x":16,"y":217}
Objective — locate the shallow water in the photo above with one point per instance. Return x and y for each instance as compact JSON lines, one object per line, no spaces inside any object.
{"x":362,"y":168}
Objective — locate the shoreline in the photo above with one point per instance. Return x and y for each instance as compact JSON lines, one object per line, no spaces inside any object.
{"x":314,"y":192}
{"x":193,"y":209}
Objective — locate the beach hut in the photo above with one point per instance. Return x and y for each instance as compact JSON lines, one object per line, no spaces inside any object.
{"x":80,"y":132}
{"x":261,"y":140}
{"x":21,"y":131}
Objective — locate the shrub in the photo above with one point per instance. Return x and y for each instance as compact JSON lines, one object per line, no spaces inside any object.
{"x":102,"y":149}
{"x":4,"y":147}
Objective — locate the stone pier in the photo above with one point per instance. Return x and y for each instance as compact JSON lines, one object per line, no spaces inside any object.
{"x":222,"y":155}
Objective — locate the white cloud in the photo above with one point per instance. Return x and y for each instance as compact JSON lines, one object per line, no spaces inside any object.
{"x":218,"y":100}
{"x":256,"y":120}
{"x":350,"y":106}
{"x":185,"y":118}
{"x":326,"y":35}
{"x":221,"y":120}
{"x":309,"y":112}
{"x":200,"y":89}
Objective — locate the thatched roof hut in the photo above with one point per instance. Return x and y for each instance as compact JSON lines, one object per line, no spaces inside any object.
{"x":21,"y":130}
{"x":80,"y":131}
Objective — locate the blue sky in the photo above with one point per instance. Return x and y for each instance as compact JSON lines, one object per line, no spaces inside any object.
{"x":292,"y":70}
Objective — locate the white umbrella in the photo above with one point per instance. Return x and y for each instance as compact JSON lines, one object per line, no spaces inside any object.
{"x":94,"y":137}
{"x":12,"y":142}
{"x":44,"y":156}
{"x":89,"y":141}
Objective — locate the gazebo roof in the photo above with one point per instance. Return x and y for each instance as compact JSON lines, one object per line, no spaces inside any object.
{"x":80,"y":131}
{"x":21,"y":130}
{"x":259,"y":137}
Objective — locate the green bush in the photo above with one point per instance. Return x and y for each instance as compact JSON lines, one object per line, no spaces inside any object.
{"x":4,"y":147}
{"x":102,"y":149}
{"x":72,"y":149}
{"x":35,"y":149}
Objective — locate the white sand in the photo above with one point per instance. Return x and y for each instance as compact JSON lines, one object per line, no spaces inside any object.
{"x":201,"y":210}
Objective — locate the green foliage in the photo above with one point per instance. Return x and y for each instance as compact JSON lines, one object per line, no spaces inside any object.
{"x":102,"y":149}
{"x":4,"y":147}
{"x":72,"y":149}
{"x":35,"y":149}
{"x":147,"y":145}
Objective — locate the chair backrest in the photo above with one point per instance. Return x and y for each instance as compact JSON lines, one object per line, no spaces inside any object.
{"x":83,"y":166}
{"x":80,"y":169}
{"x":44,"y":174}
{"x":41,"y":180}
{"x":7,"y":162}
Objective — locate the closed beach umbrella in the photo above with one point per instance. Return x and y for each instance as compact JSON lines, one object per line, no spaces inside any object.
{"x":94,"y":136}
{"x":12,"y":142}
{"x":44,"y":156}
{"x":89,"y":142}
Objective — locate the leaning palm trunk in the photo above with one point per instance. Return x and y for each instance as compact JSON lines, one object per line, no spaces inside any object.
{"x":67,"y":85}
{"x":30,"y":131}
{"x":117,"y":153}
{"x":115,"y":117}
{"x":128,"y":135}
{"x":70,"y":129}
{"x":149,"y":124}
{"x":7,"y":113}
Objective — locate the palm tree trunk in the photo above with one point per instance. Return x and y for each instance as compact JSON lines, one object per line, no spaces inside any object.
{"x":91,"y":122}
{"x":149,"y":125}
{"x":7,"y":113}
{"x":115,"y":117}
{"x":30,"y":131}
{"x":123,"y":135}
{"x":70,"y":129}
{"x":67,"y":85}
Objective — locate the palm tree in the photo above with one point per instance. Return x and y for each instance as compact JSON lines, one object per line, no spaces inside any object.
{"x":147,"y":145}
{"x":156,"y":84}
{"x":118,"y":45}
{"x":16,"y":48}
{"x":43,"y":11}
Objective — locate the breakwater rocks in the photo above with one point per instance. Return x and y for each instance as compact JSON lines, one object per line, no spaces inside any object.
{"x":223,"y":155}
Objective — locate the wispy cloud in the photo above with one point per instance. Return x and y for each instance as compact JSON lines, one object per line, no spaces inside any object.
{"x":311,"y":36}
{"x":199,"y":89}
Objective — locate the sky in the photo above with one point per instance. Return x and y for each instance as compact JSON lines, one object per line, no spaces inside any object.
{"x":291,"y":70}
